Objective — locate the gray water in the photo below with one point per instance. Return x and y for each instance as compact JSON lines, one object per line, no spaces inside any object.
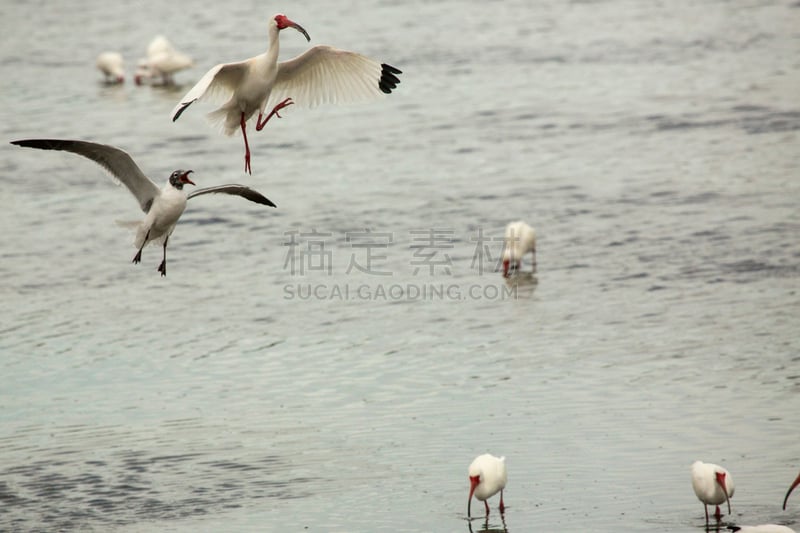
{"x":269,"y":384}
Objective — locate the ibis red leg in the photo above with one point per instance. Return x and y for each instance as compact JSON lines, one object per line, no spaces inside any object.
{"x":246,"y":146}
{"x":260,"y":125}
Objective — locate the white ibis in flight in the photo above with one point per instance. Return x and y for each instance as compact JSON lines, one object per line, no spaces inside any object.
{"x":519,"y":239}
{"x":112,"y":66}
{"x":162,"y":61}
{"x":487,"y":477}
{"x":162,"y":206}
{"x":791,"y":488}
{"x":713,"y":485}
{"x":320,"y":75}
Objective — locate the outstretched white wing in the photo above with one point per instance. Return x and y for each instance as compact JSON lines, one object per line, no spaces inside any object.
{"x":326,"y":75}
{"x":114,"y":160}
{"x":218,"y":83}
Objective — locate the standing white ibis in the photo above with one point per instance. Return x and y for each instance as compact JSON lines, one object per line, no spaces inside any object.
{"x":112,"y":66}
{"x":519,"y":239}
{"x":487,"y":477}
{"x":713,"y":485}
{"x":788,"y":492}
{"x":162,"y":61}
{"x":162,"y":206}
{"x":321,"y":74}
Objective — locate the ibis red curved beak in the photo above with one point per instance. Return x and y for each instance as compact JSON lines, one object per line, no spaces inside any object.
{"x":473,"y":482}
{"x":721,"y":481}
{"x":796,"y":482}
{"x":185,"y":177}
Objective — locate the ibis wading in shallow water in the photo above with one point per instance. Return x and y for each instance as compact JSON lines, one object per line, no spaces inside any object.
{"x":487,"y":477}
{"x":320,"y":75}
{"x":713,"y":485}
{"x":112,"y":66}
{"x":162,"y":206}
{"x":162,"y":62}
{"x":519,"y":240}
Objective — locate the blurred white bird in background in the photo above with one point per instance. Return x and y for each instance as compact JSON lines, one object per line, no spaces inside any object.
{"x":112,"y":66}
{"x":161,"y":62}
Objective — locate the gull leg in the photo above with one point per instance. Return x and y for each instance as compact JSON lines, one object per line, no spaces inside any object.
{"x":260,"y":125}
{"x":502,"y":505}
{"x":138,"y":257}
{"x":163,"y":266}
{"x":486,"y":504}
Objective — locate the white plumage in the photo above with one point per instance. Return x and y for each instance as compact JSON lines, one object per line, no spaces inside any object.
{"x":320,"y":75}
{"x":167,"y":208}
{"x":713,"y":485}
{"x":519,"y":240}
{"x":112,"y":66}
{"x":487,"y":477}
{"x":162,"y":61}
{"x":765,"y":528}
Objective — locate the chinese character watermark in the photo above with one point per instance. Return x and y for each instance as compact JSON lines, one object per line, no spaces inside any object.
{"x":367,"y":240}
{"x":429,"y":243}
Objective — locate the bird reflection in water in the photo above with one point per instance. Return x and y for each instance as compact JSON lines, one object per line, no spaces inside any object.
{"x":522,"y":283}
{"x":490,"y":528}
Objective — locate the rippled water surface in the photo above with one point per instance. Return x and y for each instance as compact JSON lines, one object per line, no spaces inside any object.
{"x":336,"y":363}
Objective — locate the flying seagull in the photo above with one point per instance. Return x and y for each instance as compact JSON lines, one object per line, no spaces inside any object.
{"x":162,"y":206}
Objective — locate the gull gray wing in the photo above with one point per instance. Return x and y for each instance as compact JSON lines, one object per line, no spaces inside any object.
{"x":235,"y":189}
{"x":117,"y":162}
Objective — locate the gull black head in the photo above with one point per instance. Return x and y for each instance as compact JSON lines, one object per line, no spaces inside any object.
{"x":179,"y":178}
{"x":283,"y":22}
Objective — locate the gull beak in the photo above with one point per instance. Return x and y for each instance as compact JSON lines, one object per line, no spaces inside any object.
{"x":185,"y":177}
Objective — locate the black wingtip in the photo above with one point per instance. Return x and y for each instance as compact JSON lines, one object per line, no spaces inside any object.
{"x":43,"y":144}
{"x":23,"y":142}
{"x":388,"y":80}
{"x":181,"y":110}
{"x":257,"y":197}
